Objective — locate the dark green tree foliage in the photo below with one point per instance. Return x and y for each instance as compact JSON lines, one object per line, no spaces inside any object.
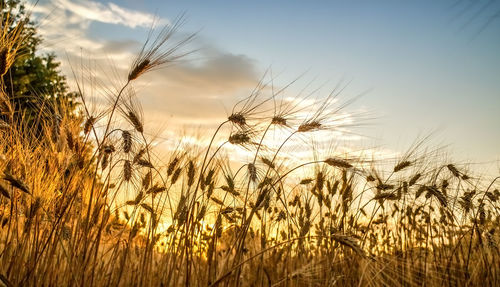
{"x":34,"y":84}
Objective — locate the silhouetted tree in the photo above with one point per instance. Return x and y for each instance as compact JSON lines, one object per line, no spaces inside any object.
{"x":34,"y":85}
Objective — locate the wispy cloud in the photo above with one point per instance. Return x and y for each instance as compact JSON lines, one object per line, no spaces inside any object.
{"x":109,"y":13}
{"x":189,"y":91}
{"x":190,"y":95}
{"x":65,"y":24}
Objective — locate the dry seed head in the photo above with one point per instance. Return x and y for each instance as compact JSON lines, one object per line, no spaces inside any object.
{"x":134,"y":231}
{"x":491,"y":196}
{"x":216,"y":200}
{"x":239,"y":138}
{"x":436,"y":193}
{"x":453,"y":170}
{"x":147,"y":180}
{"x":466,"y":201}
{"x":108,"y":149}
{"x":419,"y":192}
{"x":445,"y":184}
{"x":230,"y":190}
{"x":209,"y":177}
{"x":157,"y":51}
{"x":482,"y":214}
{"x":4,"y":63}
{"x":147,"y":207}
{"x":127,"y":141}
{"x":176,"y":175}
{"x":202,"y":182}
{"x":260,"y":198}
{"x":402,"y":165}
{"x":156,"y":189}
{"x":105,"y":160}
{"x":265,"y":181}
{"x":310,"y":126}
{"x":320,"y":180}
{"x":386,"y":195}
{"x":172,"y":165}
{"x":278,"y":120}
{"x":338,"y":163}
{"x":139,"y":197}
{"x":281,"y":216}
{"x":69,"y":140}
{"x":305,"y":228}
{"x":252,"y":172}
{"x":384,"y":186}
{"x":267,"y":162}
{"x":144,"y":163}
{"x":237,"y":119}
{"x":230,"y":182}
{"x":306,"y":181}
{"x":202,"y":213}
{"x":139,"y":155}
{"x":135,"y":121}
{"x":191,"y":172}
{"x":227,"y":210}
{"x":218,"y":226}
{"x":210,"y":190}
{"x":349,"y":242}
{"x":138,"y":70}
{"x":127,"y":170}
{"x":76,"y":147}
{"x":414,"y":179}
{"x":89,"y":123}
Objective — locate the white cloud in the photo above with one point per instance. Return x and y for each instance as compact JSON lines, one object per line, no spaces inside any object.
{"x":188,"y":91}
{"x":109,"y":13}
{"x":64,"y":25}
{"x":186,"y":96}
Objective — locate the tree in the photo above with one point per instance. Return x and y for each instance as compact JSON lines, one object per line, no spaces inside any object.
{"x":32,"y":83}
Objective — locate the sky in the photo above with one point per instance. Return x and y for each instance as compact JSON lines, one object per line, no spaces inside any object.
{"x":421,"y":67}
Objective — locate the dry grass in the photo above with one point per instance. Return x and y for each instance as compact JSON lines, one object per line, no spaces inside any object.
{"x":90,"y":204}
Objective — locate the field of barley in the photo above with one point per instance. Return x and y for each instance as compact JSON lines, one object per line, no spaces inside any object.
{"x":86,"y":198}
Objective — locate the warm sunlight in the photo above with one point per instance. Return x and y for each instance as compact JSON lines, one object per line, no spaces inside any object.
{"x":221,"y":143}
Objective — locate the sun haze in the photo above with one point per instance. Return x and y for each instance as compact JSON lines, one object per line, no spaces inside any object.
{"x":260,"y":143}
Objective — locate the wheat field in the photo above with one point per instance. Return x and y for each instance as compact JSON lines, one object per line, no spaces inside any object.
{"x":86,"y":200}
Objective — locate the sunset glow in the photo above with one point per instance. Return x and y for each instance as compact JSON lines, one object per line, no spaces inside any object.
{"x":221,"y":143}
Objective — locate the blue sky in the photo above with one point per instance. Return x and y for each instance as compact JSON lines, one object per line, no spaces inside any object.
{"x":427,"y":65}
